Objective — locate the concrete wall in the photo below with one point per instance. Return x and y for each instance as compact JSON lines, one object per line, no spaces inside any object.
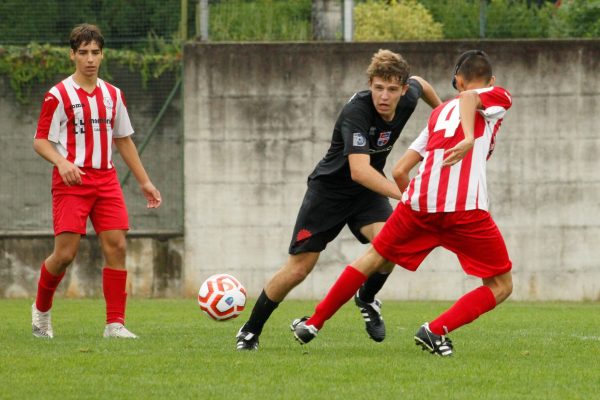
{"x":257,"y":119}
{"x":259,"y":116}
{"x":154,"y":265}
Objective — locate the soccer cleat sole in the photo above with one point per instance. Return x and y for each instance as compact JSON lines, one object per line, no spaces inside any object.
{"x":246,"y":346}
{"x":424,"y":346}
{"x":37,"y":332}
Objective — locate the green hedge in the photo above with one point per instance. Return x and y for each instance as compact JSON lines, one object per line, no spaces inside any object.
{"x":127,"y":23}
{"x":35,"y":63}
{"x":378,"y":20}
{"x":507,"y":19}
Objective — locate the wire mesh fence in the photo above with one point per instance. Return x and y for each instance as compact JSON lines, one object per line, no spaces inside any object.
{"x":133,"y":23}
{"x":125,"y":23}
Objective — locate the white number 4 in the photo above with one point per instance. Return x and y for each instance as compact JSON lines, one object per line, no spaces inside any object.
{"x":448,"y":119}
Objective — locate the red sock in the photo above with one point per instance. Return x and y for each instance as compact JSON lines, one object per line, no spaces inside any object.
{"x":46,"y":287}
{"x":467,"y":309}
{"x":113,"y":286}
{"x":342,"y":290}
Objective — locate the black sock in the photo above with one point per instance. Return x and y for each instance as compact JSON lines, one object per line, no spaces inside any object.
{"x":372,"y":286}
{"x":261,"y":312}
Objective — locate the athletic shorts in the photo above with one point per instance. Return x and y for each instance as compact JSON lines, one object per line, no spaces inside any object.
{"x":322,"y":216}
{"x":409,"y":236}
{"x":99,"y":197}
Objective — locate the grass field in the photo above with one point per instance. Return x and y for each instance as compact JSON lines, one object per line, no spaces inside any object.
{"x":519,"y":351}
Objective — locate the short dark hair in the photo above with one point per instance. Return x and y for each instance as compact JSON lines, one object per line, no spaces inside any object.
{"x":85,"y":33}
{"x":474,"y":65}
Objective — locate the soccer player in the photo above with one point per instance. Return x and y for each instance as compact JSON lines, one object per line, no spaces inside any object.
{"x":81,"y":118}
{"x":445,"y":204}
{"x":348,"y":187}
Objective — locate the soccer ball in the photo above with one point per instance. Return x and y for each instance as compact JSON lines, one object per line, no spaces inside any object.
{"x":222,"y":297}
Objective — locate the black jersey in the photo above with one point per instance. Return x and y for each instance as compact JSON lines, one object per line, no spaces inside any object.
{"x":360,"y":129}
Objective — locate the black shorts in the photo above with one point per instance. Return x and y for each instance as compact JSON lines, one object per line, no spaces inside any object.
{"x":322,"y":216}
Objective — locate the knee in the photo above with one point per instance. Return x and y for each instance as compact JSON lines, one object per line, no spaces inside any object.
{"x":506,"y":286}
{"x":115,"y":247}
{"x":508,"y":289}
{"x":64,"y":256}
{"x":298,"y":273}
{"x":502,"y":289}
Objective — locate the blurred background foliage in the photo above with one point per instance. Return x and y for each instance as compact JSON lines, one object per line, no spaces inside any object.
{"x":408,"y":20}
{"x":130,"y":23}
{"x":147,"y":35}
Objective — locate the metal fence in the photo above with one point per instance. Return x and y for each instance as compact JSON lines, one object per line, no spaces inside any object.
{"x":132,"y":23}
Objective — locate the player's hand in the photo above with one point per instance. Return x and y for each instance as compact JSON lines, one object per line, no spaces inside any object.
{"x":152,"y":195}
{"x":458,"y":152}
{"x":70,"y":173}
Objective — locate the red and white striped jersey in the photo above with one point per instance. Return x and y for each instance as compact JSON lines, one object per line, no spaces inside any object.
{"x":82,"y":125}
{"x":462,"y":186}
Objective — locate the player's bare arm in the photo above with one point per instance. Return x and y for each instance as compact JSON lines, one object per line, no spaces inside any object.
{"x":468,"y":103}
{"x":429,"y":94}
{"x":131,"y":157}
{"x":363,"y":173}
{"x":403,"y":167}
{"x":69,"y":172}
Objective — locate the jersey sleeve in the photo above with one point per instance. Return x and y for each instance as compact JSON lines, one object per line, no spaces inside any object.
{"x":420,"y":143}
{"x":355,"y":127}
{"x":415,"y":86}
{"x":122,"y":127}
{"x":495,"y":101}
{"x":49,"y":122}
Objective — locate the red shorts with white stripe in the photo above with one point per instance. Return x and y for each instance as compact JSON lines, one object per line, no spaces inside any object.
{"x":99,"y":197}
{"x":409,"y":236}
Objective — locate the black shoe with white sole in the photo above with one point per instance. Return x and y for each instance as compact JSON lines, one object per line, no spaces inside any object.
{"x":435,"y":344}
{"x":302,"y":332}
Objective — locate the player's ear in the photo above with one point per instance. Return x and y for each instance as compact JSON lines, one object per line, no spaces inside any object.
{"x":405,"y":88}
{"x":72,"y":54}
{"x":459,"y":82}
{"x":492,"y":81}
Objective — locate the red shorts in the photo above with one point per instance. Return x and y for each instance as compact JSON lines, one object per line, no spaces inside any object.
{"x":409,"y":236}
{"x":99,"y":197}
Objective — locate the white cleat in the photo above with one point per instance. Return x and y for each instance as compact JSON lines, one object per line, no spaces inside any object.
{"x":41,"y":323}
{"x":117,"y":330}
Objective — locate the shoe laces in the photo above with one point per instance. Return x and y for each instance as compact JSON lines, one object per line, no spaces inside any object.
{"x":41,"y":319}
{"x":119,"y":330}
{"x":373,"y":309}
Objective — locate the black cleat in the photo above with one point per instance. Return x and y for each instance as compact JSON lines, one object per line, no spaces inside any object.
{"x":371,"y":313}
{"x":246,"y":340}
{"x":435,"y":344}
{"x":302,"y":332}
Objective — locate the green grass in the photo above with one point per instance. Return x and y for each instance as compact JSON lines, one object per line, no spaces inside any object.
{"x":519,"y":351}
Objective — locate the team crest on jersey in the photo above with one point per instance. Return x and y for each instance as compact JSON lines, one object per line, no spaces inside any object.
{"x":384,"y":137}
{"x":108,"y":103}
{"x":358,"y":140}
